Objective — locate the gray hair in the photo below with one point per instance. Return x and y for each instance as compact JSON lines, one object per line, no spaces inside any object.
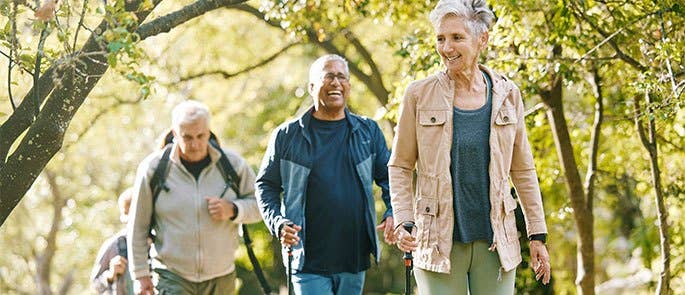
{"x":478,"y":16}
{"x":316,"y":67}
{"x":189,"y":111}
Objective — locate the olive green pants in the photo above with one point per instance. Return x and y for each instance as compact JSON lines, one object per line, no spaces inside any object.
{"x":475,"y":270}
{"x":173,"y":284}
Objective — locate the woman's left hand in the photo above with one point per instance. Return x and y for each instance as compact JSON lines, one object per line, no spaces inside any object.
{"x":540,"y":261}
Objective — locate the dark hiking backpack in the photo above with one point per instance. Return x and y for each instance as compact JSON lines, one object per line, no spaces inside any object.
{"x":158,"y":183}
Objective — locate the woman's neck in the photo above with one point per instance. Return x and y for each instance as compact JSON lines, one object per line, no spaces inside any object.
{"x":469,"y":80}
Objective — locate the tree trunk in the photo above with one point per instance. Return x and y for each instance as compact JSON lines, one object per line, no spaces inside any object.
{"x":650,"y":145}
{"x":44,"y":260}
{"x":585,"y":280}
{"x":64,"y":87}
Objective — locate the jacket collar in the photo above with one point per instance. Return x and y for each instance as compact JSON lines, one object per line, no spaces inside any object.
{"x":306,"y":119}
{"x":500,"y":86}
{"x":175,"y":155}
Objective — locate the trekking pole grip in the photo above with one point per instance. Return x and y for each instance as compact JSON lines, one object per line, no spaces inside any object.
{"x":289,"y":224}
{"x":290,"y":262}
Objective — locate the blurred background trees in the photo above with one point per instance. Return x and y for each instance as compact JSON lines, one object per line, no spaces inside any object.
{"x":87,"y":92}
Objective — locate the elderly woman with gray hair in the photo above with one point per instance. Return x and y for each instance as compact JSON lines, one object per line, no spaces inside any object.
{"x":462,"y":131}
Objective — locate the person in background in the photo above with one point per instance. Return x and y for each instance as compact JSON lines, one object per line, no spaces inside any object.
{"x":110,"y":273}
{"x":196,"y":217}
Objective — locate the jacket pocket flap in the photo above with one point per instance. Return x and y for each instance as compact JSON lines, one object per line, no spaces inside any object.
{"x":432,"y":118}
{"x":506,"y":116}
{"x":427,"y":206}
{"x":509,"y":204}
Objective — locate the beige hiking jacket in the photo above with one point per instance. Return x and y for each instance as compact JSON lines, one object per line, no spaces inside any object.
{"x":188,"y":241}
{"x":422,"y":143}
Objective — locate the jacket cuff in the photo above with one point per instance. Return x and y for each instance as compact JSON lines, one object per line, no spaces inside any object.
{"x":402,"y":216}
{"x":538,"y":237}
{"x":388,"y":213}
{"x":536,"y":227}
{"x":236,"y":211}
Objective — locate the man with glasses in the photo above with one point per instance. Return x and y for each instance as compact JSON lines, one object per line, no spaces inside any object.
{"x":324,"y":164}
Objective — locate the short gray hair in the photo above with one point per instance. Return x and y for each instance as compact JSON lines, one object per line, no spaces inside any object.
{"x":316,"y":67}
{"x":189,"y":111}
{"x":478,"y":16}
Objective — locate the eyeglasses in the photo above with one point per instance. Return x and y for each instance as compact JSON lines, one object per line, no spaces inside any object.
{"x":342,"y":78}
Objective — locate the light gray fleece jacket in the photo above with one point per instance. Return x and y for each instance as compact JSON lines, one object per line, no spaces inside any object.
{"x":187,"y":241}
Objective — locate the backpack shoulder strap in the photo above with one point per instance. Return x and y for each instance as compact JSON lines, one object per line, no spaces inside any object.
{"x":226,"y":169}
{"x":232,"y":179}
{"x":158,"y":181}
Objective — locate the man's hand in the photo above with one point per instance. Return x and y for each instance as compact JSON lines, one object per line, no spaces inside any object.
{"x":539,"y":259}
{"x":117,"y":266}
{"x":219,"y":209}
{"x":405,"y":241}
{"x":387,"y":227}
{"x":289,"y":236}
{"x":146,"y":287}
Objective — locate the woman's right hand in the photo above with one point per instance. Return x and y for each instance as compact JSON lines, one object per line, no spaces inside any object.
{"x":145,"y":286}
{"x":405,"y":241}
{"x":288,"y":234}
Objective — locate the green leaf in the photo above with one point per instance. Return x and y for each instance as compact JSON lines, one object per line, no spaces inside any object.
{"x":114,"y":46}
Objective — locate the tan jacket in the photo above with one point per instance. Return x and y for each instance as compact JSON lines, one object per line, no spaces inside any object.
{"x":423,"y":141}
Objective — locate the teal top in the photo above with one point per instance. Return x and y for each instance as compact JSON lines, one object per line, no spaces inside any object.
{"x":470,"y":155}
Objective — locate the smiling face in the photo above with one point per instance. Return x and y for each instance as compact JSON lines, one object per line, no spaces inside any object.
{"x":458,"y":47}
{"x":331,"y":90}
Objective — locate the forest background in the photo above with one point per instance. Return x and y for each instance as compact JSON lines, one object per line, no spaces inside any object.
{"x":85,"y":94}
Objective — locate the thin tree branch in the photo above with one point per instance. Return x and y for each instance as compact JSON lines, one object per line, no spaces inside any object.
{"x":596,"y":81}
{"x":376,"y":77}
{"x":15,"y":62}
{"x":625,"y":57}
{"x":102,"y":112}
{"x":534,"y":109}
{"x":80,"y":22}
{"x":13,"y":45}
{"x":44,"y":260}
{"x":67,"y":282}
{"x":378,"y":89}
{"x":599,"y":45}
{"x":227,"y":75}
{"x":676,"y":147}
{"x":36,"y":71}
{"x":638,"y":122}
{"x":165,"y":23}
{"x":668,"y":60}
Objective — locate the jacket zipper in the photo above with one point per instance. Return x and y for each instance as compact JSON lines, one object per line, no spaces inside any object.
{"x":198,"y":237}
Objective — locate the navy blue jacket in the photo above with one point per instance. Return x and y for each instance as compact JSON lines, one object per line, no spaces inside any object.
{"x":286,"y":166}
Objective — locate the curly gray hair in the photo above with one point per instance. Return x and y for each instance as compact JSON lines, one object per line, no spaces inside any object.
{"x":478,"y":16}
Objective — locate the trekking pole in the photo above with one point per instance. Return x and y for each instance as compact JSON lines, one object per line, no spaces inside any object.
{"x":290,"y":265}
{"x":408,"y":261}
